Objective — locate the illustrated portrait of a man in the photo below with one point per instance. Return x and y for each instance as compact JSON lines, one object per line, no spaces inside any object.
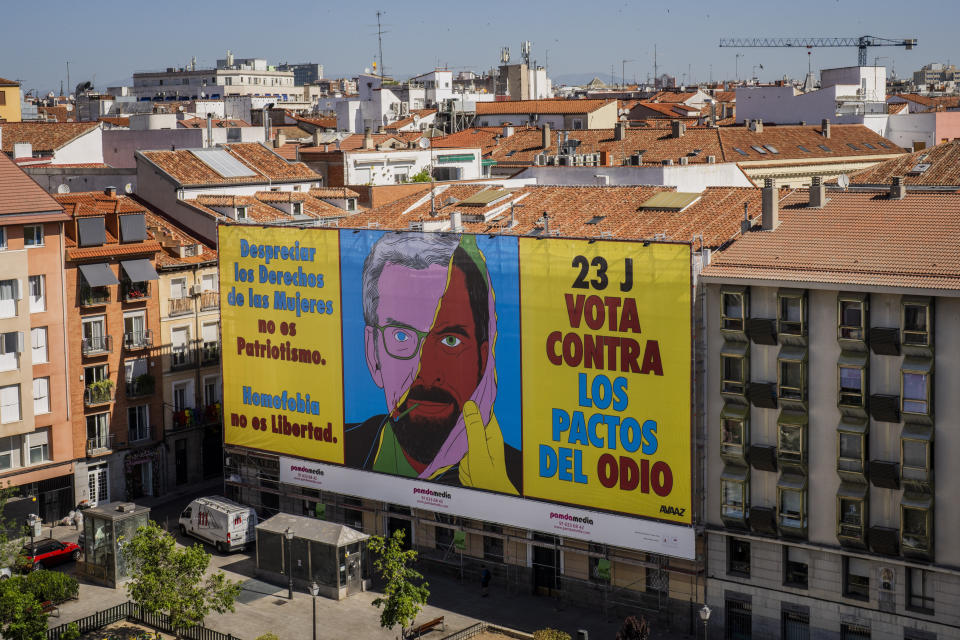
{"x":429,"y":340}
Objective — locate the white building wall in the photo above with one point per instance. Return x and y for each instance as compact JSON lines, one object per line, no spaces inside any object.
{"x":691,"y":178}
{"x":85,"y":149}
{"x":381,"y":168}
{"x":905,"y":129}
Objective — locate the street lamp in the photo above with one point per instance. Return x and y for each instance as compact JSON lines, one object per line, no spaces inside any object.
{"x":705,"y":616}
{"x":314,"y":590}
{"x":288,"y":534}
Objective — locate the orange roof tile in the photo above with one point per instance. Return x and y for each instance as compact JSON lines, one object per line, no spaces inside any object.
{"x":184,"y":167}
{"x":44,"y":136}
{"x":19,"y":193}
{"x":8,"y":83}
{"x":218,"y":123}
{"x":937,"y":166}
{"x":334,"y":193}
{"x":857,"y":238}
{"x":551,"y":107}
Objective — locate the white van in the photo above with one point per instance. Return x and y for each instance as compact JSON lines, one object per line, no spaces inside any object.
{"x":220,"y":522}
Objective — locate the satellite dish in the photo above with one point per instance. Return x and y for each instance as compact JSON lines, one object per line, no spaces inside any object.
{"x":128,"y":188}
{"x":424,"y":143}
{"x":64,"y":188}
{"x":69,"y":108}
{"x":843,"y":180}
{"x":366,"y":70}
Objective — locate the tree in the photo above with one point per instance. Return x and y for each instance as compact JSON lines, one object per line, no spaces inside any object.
{"x":634,"y":629}
{"x":403,"y":599}
{"x":170,"y":580}
{"x":21,"y":616}
{"x":421,"y":176}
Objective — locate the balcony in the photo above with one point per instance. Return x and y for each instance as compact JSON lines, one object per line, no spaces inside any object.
{"x":133,"y":340}
{"x":97,"y":394}
{"x":100,"y":444}
{"x":181,"y":357}
{"x":210,"y":414}
{"x":186,"y":417}
{"x":210,"y":353}
{"x":209,"y":300}
{"x":97,"y":345}
{"x":93,"y":296}
{"x":141,"y":386}
{"x":135,"y":291}
{"x":180,"y":306}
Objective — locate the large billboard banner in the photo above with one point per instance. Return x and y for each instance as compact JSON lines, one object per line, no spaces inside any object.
{"x":548,"y":370}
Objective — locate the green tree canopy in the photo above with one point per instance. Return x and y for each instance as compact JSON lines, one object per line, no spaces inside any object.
{"x":404,"y":592}
{"x":21,"y":616}
{"x":171,"y":580}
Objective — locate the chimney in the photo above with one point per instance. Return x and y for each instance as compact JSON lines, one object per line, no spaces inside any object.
{"x":316,"y":138}
{"x":507,"y":131}
{"x":897,"y":189}
{"x":22,"y":150}
{"x":757,"y":126}
{"x":677,"y":129}
{"x":684,"y":160}
{"x":620,"y":131}
{"x":770,"y":214}
{"x":745,"y":223}
{"x":280,"y":140}
{"x":713,"y":113}
{"x":367,"y":139}
{"x":818,"y":193}
{"x":825,"y":128}
{"x":803,"y":123}
{"x":456,"y":223}
{"x":209,"y":129}
{"x":711,"y":159}
{"x":545,"y":138}
{"x":111,"y":191}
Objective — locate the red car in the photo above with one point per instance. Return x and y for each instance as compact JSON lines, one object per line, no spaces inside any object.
{"x":44,"y":554}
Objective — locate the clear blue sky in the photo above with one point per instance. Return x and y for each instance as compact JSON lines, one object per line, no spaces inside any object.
{"x":110,"y":39}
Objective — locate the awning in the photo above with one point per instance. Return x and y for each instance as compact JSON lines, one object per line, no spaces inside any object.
{"x":488,"y":162}
{"x":98,"y":275}
{"x":732,"y":473}
{"x":462,"y":157}
{"x":91,"y":232}
{"x":912,"y":431}
{"x":853,"y":359}
{"x":792,"y":481}
{"x":736,"y":349}
{"x":917,"y":365}
{"x":792,"y":417}
{"x":916,"y":501}
{"x":792,"y":353}
{"x":133,"y":228}
{"x":854,"y":491}
{"x":851,"y":424}
{"x":139,"y":270}
{"x":735,"y":411}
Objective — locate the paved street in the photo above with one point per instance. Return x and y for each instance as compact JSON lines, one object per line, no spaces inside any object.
{"x":265,"y":608}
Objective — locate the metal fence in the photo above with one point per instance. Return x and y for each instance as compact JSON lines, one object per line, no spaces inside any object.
{"x":135,"y":613}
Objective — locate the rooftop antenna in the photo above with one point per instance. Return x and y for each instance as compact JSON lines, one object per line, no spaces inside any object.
{"x":525,"y":47}
{"x":380,"y":43}
{"x":424,"y":143}
{"x":504,"y":55}
{"x":68,"y":78}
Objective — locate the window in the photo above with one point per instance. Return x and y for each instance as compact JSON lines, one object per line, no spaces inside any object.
{"x":856,"y":578}
{"x":351,"y":204}
{"x":37,"y":299}
{"x":915,"y":459}
{"x":849,"y":631}
{"x":98,"y":431}
{"x":33,"y":235}
{"x":916,"y":324}
{"x":180,"y":346}
{"x":733,"y":311}
{"x":135,"y":333}
{"x":9,"y":294}
{"x":738,"y":557}
{"x":39,"y":447}
{"x":916,"y":392}
{"x":492,"y":545}
{"x":915,"y":525}
{"x":3,"y":230}
{"x":41,"y":395}
{"x":10,"y":404}
{"x":241,"y":213}
{"x":851,"y":508}
{"x":10,"y":452}
{"x":182,"y":396}
{"x":734,"y":374}
{"x":824,"y":147}
{"x":178,"y":288}
{"x":734,"y":489}
{"x":795,"y":567}
{"x":733,"y":432}
{"x":38,"y":345}
{"x":850,"y":455}
{"x":792,"y":505}
{"x":298,"y":208}
{"x":211,"y":390}
{"x":851,"y":314}
{"x":444,"y":538}
{"x":851,"y":385}
{"x":920,"y":589}
{"x":94,"y":334}
{"x":208,"y":282}
{"x":792,"y":313}
{"x":138,"y":421}
{"x":791,"y":383}
{"x":11,"y":346}
{"x":791,"y":440}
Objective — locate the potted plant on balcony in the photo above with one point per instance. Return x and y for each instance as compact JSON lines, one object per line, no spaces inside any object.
{"x":100,"y":390}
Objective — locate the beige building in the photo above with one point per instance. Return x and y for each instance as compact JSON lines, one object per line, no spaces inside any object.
{"x":831,"y":338}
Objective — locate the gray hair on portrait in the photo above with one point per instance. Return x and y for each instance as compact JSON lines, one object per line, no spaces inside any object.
{"x":411,"y":250}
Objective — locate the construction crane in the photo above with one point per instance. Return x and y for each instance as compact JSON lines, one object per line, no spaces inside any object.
{"x":860,"y":43}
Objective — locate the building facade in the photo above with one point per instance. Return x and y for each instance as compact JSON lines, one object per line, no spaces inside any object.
{"x":830,"y":365}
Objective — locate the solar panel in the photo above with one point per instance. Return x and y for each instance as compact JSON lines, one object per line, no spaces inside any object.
{"x":759,"y":150}
{"x":740,"y":151}
{"x":825,"y":148}
{"x":771,"y":148}
{"x":223,"y":163}
{"x":919,"y":168}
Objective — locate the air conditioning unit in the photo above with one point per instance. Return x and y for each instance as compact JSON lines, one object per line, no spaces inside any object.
{"x":195,"y":290}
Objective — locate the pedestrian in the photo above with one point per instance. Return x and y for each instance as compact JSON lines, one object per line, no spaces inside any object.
{"x":485,"y":577}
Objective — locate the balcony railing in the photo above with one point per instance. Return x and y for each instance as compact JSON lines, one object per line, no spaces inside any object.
{"x":90,"y":296}
{"x":209,"y":300}
{"x":211,"y":413}
{"x":101,"y":443}
{"x":181,"y":357}
{"x":134,"y":291}
{"x":210,"y":353}
{"x":180,"y":306}
{"x":186,"y":417}
{"x":138,"y":339}
{"x":95,"y":345}
{"x":93,"y":396}
{"x":142,"y":386}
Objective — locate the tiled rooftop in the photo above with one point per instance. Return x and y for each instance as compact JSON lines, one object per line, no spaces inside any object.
{"x":184,"y":167}
{"x":19,"y":193}
{"x":551,"y":107}
{"x":856,"y":239}
{"x":46,"y":137}
{"x":932,"y":167}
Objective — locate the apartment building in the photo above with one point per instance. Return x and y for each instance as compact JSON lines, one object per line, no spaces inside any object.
{"x":831,"y":346}
{"x":114,"y":316}
{"x":189,"y":299}
{"x":36,"y":441}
